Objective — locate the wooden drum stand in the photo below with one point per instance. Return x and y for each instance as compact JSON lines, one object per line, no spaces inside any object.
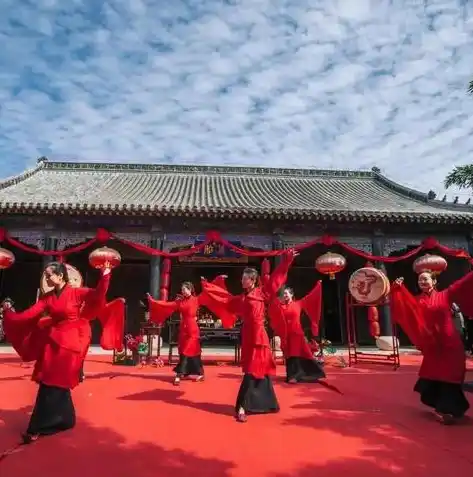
{"x":368,"y":289}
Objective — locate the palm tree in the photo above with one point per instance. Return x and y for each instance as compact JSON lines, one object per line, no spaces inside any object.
{"x":470,"y":87}
{"x":461,"y":176}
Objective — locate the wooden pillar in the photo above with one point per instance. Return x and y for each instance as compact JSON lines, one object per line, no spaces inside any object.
{"x":50,"y":243}
{"x":155,"y":263}
{"x":384,"y":310}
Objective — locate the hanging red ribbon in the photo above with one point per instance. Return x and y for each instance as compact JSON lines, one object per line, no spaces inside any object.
{"x":214,"y":237}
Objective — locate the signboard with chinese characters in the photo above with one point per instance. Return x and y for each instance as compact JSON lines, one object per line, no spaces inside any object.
{"x":214,"y":253}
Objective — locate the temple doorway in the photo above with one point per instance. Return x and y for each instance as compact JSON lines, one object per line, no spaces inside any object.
{"x":302,"y":278}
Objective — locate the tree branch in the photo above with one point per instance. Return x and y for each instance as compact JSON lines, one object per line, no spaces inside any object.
{"x":461,"y":176}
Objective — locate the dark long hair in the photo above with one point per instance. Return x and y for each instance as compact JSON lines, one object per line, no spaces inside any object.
{"x":58,"y":268}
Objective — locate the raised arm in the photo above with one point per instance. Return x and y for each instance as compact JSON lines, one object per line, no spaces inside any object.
{"x":312,"y":305}
{"x":160,"y":310}
{"x":30,"y":313}
{"x":94,"y":299}
{"x":407,"y":313}
{"x":225,"y":313}
{"x":279,"y":276}
{"x":218,"y":299}
{"x":97,"y":293}
{"x":461,"y":293}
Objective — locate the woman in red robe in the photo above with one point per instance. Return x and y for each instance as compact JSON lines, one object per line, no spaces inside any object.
{"x":188,"y":343}
{"x":427,"y":320}
{"x":300,"y":362}
{"x":256,"y":394}
{"x":58,"y":343}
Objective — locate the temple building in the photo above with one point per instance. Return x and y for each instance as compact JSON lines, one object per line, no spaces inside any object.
{"x":169,"y":207}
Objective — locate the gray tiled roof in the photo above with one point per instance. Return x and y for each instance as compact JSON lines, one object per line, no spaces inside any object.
{"x":216,"y":191}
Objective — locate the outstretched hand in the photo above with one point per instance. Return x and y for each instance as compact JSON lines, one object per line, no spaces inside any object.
{"x":107,"y":268}
{"x":292,"y":253}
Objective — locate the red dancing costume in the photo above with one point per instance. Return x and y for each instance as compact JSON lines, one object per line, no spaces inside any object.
{"x":256,"y":394}
{"x":54,"y":334}
{"x":190,"y":361}
{"x":427,"y":321}
{"x":300,"y":362}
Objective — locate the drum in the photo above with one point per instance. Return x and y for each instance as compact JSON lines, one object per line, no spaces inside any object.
{"x":369,"y":286}
{"x":75,"y":279}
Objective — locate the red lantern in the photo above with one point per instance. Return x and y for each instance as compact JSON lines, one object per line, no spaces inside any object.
{"x":373,"y":319}
{"x":7,"y":259}
{"x":103,"y":256}
{"x":165,"y":280}
{"x":330,"y":263}
{"x":429,"y":263}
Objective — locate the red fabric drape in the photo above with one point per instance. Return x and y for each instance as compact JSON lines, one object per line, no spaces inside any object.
{"x":213,"y":237}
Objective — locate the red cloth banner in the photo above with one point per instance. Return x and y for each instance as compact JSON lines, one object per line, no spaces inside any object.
{"x":213,"y":237}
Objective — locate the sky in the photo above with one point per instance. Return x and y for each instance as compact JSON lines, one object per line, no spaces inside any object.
{"x":327,"y":84}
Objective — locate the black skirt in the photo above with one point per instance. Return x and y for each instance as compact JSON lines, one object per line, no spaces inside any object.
{"x":189,"y":366}
{"x":53,"y":411}
{"x":256,"y":396}
{"x":303,"y":369}
{"x":445,"y":398}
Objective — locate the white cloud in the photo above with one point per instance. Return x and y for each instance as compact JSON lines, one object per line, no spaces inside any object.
{"x":342,"y":84}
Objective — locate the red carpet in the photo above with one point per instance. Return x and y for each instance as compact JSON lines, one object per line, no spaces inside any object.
{"x":133,"y":423}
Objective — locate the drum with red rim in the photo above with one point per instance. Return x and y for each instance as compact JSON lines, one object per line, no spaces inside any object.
{"x":369,"y":286}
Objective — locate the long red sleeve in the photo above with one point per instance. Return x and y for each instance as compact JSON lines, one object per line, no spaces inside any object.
{"x":30,"y":313}
{"x":228,"y":319}
{"x":312,"y":305}
{"x":221,"y":301}
{"x":23,"y":333}
{"x":160,"y":311}
{"x":461,"y":293}
{"x":406,"y":312}
{"x":278,"y":321}
{"x":94,"y":298}
{"x":279,"y":276}
{"x":112,"y":319}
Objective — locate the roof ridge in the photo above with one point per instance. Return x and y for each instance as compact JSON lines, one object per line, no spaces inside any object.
{"x":188,"y":168}
{"x":374,"y":174}
{"x":13,"y":180}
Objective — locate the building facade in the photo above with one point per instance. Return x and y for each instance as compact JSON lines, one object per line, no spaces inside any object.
{"x":59,"y":205}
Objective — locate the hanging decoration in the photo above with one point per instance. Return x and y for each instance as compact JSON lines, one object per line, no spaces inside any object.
{"x":330,"y":264}
{"x":165,"y":280}
{"x":7,"y":258}
{"x":430,"y":263}
{"x":373,"y":320}
{"x":102,"y":256}
{"x":213,"y":237}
